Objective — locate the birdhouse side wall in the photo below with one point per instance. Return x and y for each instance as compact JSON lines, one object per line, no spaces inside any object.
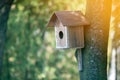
{"x":75,"y":37}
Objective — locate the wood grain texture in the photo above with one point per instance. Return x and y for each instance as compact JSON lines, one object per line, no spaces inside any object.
{"x":75,"y":37}
{"x":68,"y":18}
{"x":60,"y":43}
{"x":72,"y":37}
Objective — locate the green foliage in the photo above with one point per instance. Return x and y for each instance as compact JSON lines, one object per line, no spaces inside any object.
{"x":30,"y":48}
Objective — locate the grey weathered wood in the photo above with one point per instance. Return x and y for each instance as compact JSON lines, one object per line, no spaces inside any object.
{"x":75,"y":37}
{"x":72,"y":37}
{"x":69,"y":30}
{"x":80,"y":64}
{"x":68,"y":18}
{"x":60,"y":42}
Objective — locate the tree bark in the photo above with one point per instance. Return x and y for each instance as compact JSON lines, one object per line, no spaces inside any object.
{"x":96,"y":40}
{"x":4,"y":13}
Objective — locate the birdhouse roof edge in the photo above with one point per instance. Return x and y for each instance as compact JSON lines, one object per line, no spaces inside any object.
{"x":68,"y":18}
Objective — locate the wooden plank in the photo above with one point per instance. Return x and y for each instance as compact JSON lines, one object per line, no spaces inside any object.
{"x":75,"y":37}
{"x":68,"y":18}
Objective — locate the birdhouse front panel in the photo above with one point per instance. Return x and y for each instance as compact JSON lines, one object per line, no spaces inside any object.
{"x":61,"y":35}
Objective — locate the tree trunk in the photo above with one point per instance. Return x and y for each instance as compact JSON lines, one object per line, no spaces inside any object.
{"x":4,"y":13}
{"x":96,"y":40}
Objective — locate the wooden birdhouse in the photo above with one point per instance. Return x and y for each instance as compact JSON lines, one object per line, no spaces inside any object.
{"x":69,"y":28}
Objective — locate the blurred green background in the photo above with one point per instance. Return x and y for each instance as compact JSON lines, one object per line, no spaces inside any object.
{"x":30,"y":52}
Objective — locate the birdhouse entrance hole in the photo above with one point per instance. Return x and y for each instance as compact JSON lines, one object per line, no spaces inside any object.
{"x":61,"y":34}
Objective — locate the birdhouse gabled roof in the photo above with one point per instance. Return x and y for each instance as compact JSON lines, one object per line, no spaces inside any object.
{"x":68,"y":18}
